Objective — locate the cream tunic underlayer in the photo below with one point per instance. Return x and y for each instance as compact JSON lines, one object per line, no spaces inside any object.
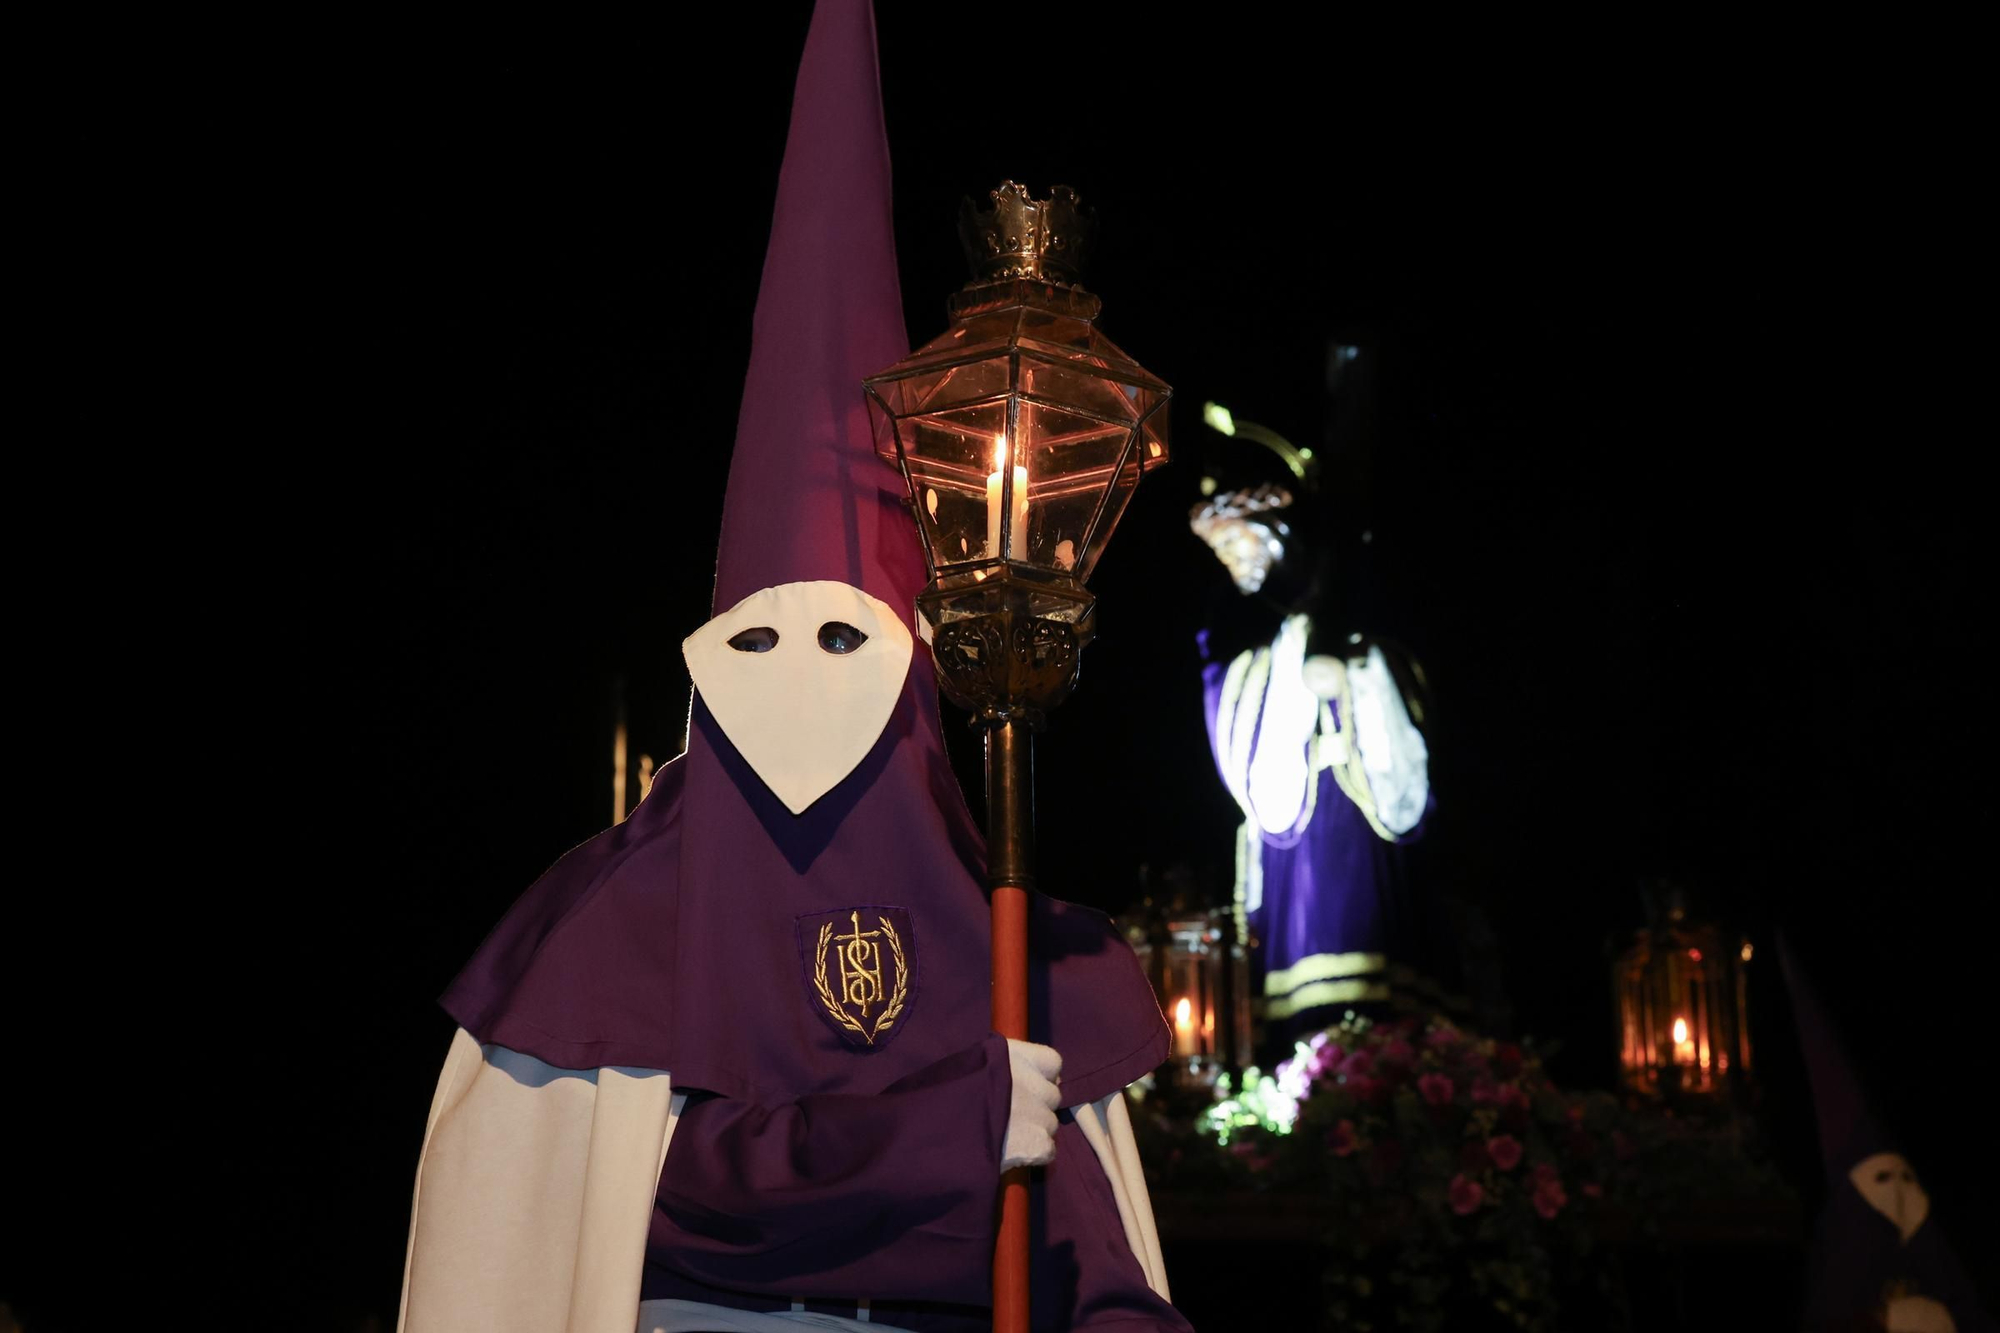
{"x":556,"y":1242}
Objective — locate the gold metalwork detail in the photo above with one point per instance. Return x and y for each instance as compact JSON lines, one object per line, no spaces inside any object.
{"x":1040,"y":239}
{"x":861,"y":975}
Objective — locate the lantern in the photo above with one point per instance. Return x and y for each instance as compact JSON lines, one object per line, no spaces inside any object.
{"x":1020,"y":432}
{"x":1200,"y":970}
{"x":1682,"y":1013}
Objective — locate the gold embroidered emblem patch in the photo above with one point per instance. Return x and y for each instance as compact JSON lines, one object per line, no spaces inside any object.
{"x":861,"y":973}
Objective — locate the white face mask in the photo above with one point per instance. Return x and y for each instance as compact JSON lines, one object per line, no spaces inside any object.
{"x":801,"y":678}
{"x":1891,"y":1188}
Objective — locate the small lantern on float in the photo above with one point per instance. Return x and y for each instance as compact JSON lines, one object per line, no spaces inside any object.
{"x":1682,"y":1014}
{"x":1200,"y":969}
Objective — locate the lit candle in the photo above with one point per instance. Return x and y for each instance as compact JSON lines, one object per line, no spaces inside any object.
{"x":1683,"y":1047}
{"x":1184,"y":1027}
{"x":1017,"y":527}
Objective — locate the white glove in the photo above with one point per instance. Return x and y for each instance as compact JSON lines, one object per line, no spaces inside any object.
{"x":1031,"y":1121}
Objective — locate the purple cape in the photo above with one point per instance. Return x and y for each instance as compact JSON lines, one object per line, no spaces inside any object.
{"x":672,"y":940}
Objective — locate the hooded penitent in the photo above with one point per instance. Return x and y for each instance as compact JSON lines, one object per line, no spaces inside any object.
{"x":1879,"y":1259}
{"x":794,"y":917}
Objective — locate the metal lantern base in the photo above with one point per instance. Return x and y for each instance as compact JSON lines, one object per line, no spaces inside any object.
{"x":1008,"y":648}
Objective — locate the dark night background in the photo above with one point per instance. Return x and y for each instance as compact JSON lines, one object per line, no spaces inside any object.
{"x":1647,"y":456}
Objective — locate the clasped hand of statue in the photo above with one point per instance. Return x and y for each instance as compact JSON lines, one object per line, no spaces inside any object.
{"x":1031,"y":1120}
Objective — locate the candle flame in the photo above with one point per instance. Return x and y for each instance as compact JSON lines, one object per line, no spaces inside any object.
{"x":999,"y":452}
{"x":1184,"y":1015}
{"x":1680,"y":1030}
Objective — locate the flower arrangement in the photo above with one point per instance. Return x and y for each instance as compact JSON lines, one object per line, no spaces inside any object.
{"x":1467,"y":1190}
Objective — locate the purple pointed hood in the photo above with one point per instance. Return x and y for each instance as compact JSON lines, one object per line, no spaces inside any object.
{"x":1848,"y":1131}
{"x":1859,"y":1260}
{"x":694,"y":937}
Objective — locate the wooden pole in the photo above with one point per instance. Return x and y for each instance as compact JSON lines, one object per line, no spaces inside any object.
{"x":1010,"y":855}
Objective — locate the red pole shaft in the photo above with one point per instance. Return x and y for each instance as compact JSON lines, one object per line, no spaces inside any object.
{"x":1010,"y":854}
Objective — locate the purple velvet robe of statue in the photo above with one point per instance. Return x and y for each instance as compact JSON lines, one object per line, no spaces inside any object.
{"x":1337,"y":926}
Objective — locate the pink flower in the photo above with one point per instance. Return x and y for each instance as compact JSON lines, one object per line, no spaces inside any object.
{"x":1549,"y":1198}
{"x":1441,"y":1037}
{"x":1505,"y":1150}
{"x":1358,"y":1064}
{"x":1592,"y":1190}
{"x":1367,"y":1091}
{"x":1485,"y":1091}
{"x":1512,"y":1095}
{"x":1436,"y":1088}
{"x":1341,"y":1138}
{"x":1465,"y":1195}
{"x":1398,"y":1051}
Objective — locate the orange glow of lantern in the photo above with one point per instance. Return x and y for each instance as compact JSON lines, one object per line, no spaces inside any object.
{"x":1184,"y":1026}
{"x":1683,"y":1022}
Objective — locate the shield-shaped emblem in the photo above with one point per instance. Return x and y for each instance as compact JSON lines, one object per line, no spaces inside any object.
{"x":861,"y":965}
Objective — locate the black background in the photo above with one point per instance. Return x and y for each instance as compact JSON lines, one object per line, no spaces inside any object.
{"x":1657,"y":479}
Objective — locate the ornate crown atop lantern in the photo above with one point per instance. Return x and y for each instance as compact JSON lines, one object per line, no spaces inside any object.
{"x":1045,"y":239}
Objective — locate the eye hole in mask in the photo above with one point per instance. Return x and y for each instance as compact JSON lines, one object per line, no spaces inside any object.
{"x":762,"y":639}
{"x":838,"y":637}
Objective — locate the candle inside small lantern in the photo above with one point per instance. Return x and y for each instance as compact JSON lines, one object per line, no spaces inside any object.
{"x":1683,"y":1044}
{"x":1017,"y":524}
{"x":1184,"y":1043}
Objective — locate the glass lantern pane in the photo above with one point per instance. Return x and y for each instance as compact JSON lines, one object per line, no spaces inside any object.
{"x":955,"y":482}
{"x":1081,"y":388}
{"x":948,"y":384}
{"x":1066,"y":334}
{"x":1153,"y":451}
{"x":1118,"y":496}
{"x":1071,"y":460}
{"x":980,"y":332}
